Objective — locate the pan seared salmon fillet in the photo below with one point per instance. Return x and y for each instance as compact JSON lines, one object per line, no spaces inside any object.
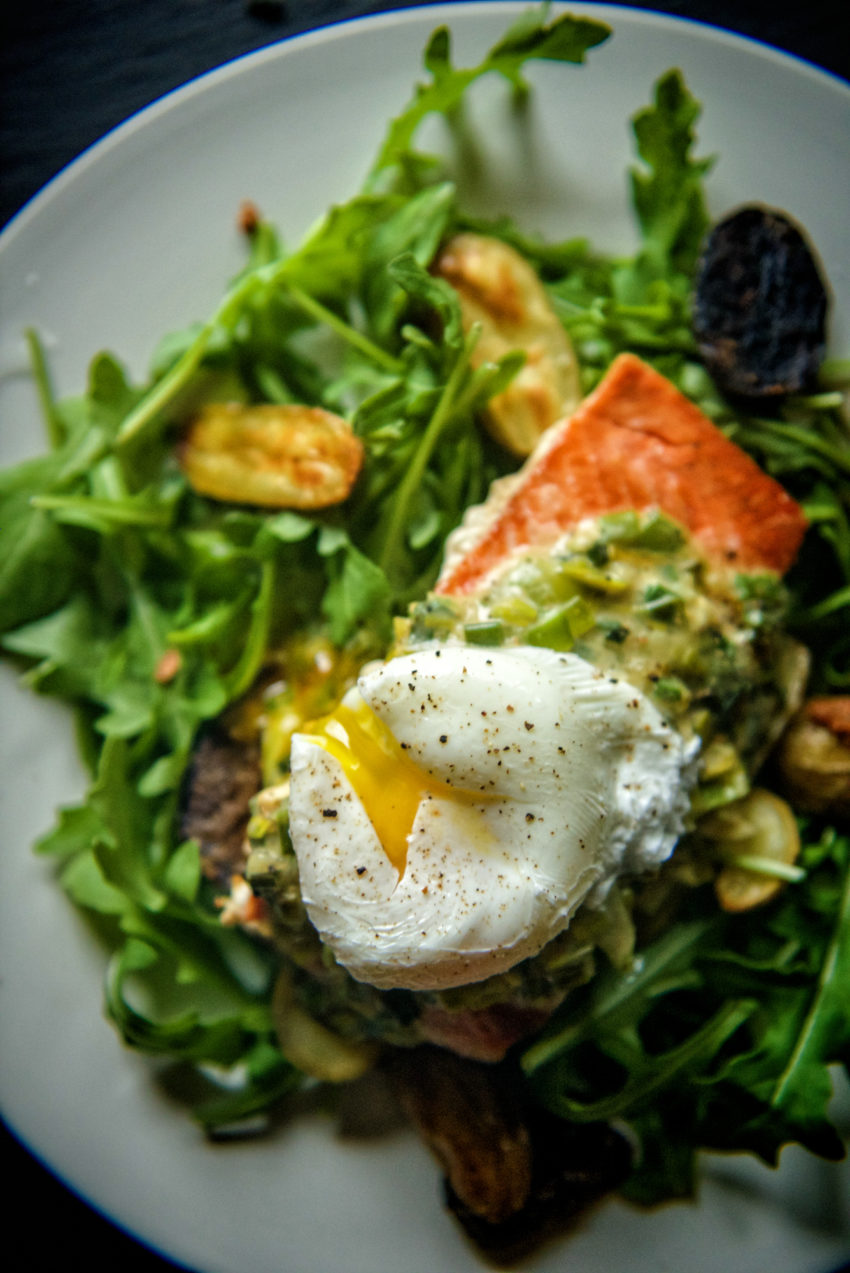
{"x":636,"y":442}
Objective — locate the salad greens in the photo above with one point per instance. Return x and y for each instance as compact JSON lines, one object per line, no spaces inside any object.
{"x":718,"y":1038}
{"x":150,"y":609}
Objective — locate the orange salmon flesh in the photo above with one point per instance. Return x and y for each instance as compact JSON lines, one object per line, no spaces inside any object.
{"x":637,"y":443}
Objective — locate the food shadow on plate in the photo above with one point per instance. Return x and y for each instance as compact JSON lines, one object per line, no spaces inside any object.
{"x":513,"y":1177}
{"x":808,"y":1190}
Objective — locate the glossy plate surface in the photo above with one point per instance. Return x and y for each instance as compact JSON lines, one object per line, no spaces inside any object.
{"x":138,"y":237}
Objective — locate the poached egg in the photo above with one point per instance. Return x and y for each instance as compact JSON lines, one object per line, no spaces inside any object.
{"x":462,"y":802}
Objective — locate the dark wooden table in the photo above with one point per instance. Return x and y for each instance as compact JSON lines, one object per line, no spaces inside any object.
{"x":70,"y":71}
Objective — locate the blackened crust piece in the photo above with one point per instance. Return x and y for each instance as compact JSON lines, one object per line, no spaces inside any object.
{"x":223,"y":777}
{"x":760,"y":306}
{"x":574,"y":1168}
{"x":466,"y":1114}
{"x":515,"y":1175}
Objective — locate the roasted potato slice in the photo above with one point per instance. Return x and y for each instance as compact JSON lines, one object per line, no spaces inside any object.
{"x":276,"y":456}
{"x":814,"y":757}
{"x":501,"y":291}
{"x":758,"y":839}
{"x":312,"y":1047}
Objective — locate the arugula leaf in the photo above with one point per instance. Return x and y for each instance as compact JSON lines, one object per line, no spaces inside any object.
{"x":667,"y":198}
{"x":413,"y":232}
{"x":357,"y":590}
{"x":38,"y":562}
{"x":803,"y":1023}
{"x":721,"y":1037}
{"x":566,"y":39}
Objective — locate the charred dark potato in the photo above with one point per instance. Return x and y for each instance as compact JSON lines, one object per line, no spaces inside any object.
{"x":574,"y":1168}
{"x":223,"y":777}
{"x":469,"y":1117}
{"x":515,"y":1175}
{"x":760,"y":306}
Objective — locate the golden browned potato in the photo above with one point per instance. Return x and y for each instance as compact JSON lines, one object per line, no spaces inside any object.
{"x":276,"y":456}
{"x":814,"y":757}
{"x":758,"y":839}
{"x":501,"y":291}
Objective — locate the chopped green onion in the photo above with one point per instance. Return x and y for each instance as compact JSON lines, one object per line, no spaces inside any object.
{"x":659,"y":534}
{"x":515,"y":610}
{"x":488,"y":632}
{"x":670,"y":689}
{"x":560,"y":629}
{"x":584,"y":572}
{"x":660,"y":602}
{"x":766,"y":866}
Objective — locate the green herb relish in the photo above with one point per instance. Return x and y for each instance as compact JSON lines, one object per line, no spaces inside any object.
{"x":633,"y":595}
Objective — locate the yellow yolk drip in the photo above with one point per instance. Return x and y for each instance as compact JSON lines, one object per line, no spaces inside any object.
{"x":389,"y":785}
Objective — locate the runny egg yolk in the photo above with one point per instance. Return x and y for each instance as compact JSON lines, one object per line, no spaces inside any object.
{"x":388,"y":783}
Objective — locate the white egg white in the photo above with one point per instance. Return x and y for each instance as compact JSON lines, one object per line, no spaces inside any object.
{"x":548,"y":779}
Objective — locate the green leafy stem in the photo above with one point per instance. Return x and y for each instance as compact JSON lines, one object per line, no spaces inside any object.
{"x":225,"y":318}
{"x":830,"y":991}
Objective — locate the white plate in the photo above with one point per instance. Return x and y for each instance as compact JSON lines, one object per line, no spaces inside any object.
{"x":138,"y":237}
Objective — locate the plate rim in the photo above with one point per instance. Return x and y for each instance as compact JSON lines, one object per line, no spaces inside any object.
{"x":147,"y":116}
